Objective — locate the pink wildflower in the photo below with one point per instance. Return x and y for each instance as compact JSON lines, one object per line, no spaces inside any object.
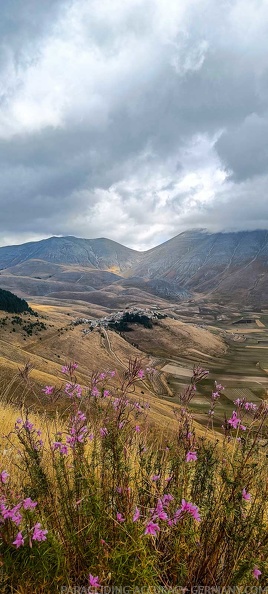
{"x":152,"y":528}
{"x":250,"y":406}
{"x":190,"y":508}
{"x":19,"y":540}
{"x":95,"y":392}
{"x":103,"y":431}
{"x":155,"y":477}
{"x":94,"y":581}
{"x":28,"y":425}
{"x":137,"y":429}
{"x":106,"y":393}
{"x":246,"y":495}
{"x":136,"y":515}
{"x":15,"y":515}
{"x":69,"y":368}
{"x":256,"y":573}
{"x":38,"y":533}
{"x":4,"y":476}
{"x":167,"y":498}
{"x":28,"y":503}
{"x":160,"y":514}
{"x":235,"y":422}
{"x":64,"y":449}
{"x":102,"y":376}
{"x":191,"y":457}
{"x":141,"y":373}
{"x":48,"y":390}
{"x":120,"y":518}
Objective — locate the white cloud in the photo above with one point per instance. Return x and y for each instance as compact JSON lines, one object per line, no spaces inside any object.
{"x":134,"y":119}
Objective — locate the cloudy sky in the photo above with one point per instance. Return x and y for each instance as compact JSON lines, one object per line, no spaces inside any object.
{"x":132,"y":119}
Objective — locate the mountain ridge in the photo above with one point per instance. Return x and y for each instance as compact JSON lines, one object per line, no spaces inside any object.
{"x":222,"y":265}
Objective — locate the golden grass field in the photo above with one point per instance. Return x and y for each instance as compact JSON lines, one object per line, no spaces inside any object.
{"x":61,"y":342}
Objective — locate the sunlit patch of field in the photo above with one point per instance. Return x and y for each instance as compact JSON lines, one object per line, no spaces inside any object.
{"x":243,"y":392}
{"x":259,"y":323}
{"x":177,"y":370}
{"x":245,"y":330}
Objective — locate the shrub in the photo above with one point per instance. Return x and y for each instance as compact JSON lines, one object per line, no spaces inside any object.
{"x":113,"y":503}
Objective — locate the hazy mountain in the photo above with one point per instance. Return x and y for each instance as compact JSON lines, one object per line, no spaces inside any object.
{"x":96,"y":253}
{"x":228,"y":266}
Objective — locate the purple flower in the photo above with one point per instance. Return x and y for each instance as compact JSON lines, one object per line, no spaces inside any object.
{"x":14,"y":514}
{"x":106,"y":393}
{"x":215,"y":395}
{"x":28,"y":425}
{"x":235,"y":422}
{"x":191,"y":457}
{"x":246,"y":495}
{"x":137,"y":429}
{"x":95,"y":392}
{"x":38,"y":533}
{"x":256,"y":573}
{"x":29,"y":504}
{"x":187,"y":507}
{"x":102,"y":376}
{"x":120,"y":518}
{"x":250,"y":406}
{"x":19,"y":540}
{"x":94,"y":581}
{"x":141,"y":373}
{"x":167,"y":498}
{"x":160,"y":514}
{"x":103,"y":431}
{"x":152,"y":528}
{"x":136,"y":515}
{"x":48,"y":390}
{"x":69,"y":368}
{"x":64,"y":449}
{"x":155,"y":477}
{"x":4,"y":476}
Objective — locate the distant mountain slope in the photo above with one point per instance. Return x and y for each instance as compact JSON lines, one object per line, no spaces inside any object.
{"x":103,"y":254}
{"x":228,"y":266}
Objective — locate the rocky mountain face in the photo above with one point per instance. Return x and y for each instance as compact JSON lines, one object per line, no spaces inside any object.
{"x":219,"y":266}
{"x":103,"y":254}
{"x":231,"y":266}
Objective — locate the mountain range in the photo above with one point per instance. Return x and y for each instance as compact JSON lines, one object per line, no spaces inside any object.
{"x":227,"y":267}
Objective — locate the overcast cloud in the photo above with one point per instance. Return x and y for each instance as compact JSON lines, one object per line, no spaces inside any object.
{"x":133,"y":120}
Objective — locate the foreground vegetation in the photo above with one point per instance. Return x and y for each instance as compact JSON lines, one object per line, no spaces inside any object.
{"x":98,"y":497}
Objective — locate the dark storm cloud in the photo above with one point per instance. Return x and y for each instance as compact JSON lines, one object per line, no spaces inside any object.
{"x":244,"y":148}
{"x":132,"y":120}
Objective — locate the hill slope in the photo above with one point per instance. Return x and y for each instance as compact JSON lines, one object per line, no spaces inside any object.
{"x":101,"y":253}
{"x":219,"y":266}
{"x":232,"y":266}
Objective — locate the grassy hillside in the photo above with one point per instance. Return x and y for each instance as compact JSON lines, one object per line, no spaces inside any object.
{"x":99,"y":498}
